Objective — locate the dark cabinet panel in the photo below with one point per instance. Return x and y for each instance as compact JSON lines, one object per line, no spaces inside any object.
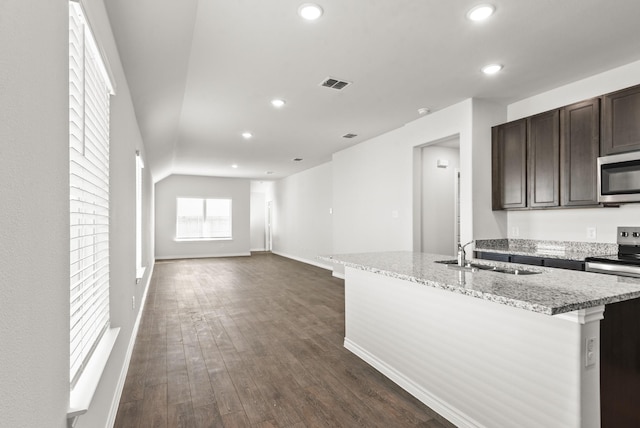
{"x":621,"y":121}
{"x":620,"y":365}
{"x":509,"y":158}
{"x":531,"y":260}
{"x":543,"y":141}
{"x":487,"y":255}
{"x":579,"y":151}
{"x":564,"y":264}
{"x":527,"y":260}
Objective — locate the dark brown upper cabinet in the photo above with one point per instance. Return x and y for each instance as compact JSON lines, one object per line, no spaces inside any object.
{"x":621,"y":121}
{"x":579,"y":151}
{"x":509,"y":165}
{"x":548,"y":160}
{"x":543,"y":159}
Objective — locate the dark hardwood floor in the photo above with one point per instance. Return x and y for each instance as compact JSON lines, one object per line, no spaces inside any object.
{"x":254,"y":342}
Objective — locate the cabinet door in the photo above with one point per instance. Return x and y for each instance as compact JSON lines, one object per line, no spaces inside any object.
{"x":579,"y":151}
{"x":619,"y":364}
{"x":509,"y":163}
{"x":621,"y":121}
{"x":543,"y":141}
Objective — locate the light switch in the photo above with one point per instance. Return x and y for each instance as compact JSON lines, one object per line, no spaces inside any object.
{"x":590,"y":352}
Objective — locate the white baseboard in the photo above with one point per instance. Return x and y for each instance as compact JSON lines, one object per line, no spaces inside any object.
{"x":115,"y":403}
{"x":201,"y":256}
{"x":303,"y":260}
{"x":445,"y":410}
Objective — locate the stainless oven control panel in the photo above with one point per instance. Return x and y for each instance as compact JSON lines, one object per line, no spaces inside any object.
{"x":628,"y":235}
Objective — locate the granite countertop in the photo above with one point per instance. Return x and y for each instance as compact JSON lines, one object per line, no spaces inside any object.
{"x":551,"y":292}
{"x":567,"y":250}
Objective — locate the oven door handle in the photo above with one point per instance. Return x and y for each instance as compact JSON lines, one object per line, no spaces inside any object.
{"x":614,"y":269}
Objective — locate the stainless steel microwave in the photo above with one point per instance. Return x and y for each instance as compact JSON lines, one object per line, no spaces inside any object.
{"x":619,"y":178}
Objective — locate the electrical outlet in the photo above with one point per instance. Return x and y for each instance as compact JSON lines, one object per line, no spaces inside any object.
{"x":590,"y":352}
{"x":133,"y":302}
{"x":515,"y":231}
{"x":591,"y":233}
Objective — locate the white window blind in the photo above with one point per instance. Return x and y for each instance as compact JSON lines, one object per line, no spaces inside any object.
{"x":89,"y":92}
{"x":199,"y":218}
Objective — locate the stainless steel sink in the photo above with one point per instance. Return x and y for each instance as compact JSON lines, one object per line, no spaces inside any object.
{"x":475,"y":267}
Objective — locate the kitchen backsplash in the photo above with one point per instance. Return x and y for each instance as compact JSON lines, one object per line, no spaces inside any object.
{"x":561,"y":249}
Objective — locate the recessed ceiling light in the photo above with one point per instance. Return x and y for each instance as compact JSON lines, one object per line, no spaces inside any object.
{"x":423,"y":110}
{"x":491,"y":68}
{"x":234,"y":165}
{"x":269,"y":172}
{"x":310,"y":11}
{"x":278,"y":102}
{"x":481,"y":12}
{"x":297,"y":159}
{"x":247,"y":135}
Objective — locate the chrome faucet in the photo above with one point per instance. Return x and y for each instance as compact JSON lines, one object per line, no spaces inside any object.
{"x":461,"y":254}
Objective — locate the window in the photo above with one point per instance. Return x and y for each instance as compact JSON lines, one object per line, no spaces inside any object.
{"x":199,"y":218}
{"x":89,"y":93}
{"x":139,"y":268}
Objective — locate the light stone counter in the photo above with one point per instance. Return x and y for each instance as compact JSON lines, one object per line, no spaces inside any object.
{"x":477,"y":363}
{"x":551,"y":292}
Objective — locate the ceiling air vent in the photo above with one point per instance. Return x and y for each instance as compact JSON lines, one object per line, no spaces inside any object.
{"x":349,"y":135}
{"x":332,"y":83}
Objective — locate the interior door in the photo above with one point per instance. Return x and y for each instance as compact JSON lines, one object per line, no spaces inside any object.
{"x":440,"y":210}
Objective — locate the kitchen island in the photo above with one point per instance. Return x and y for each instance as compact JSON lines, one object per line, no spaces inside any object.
{"x":483,"y":349}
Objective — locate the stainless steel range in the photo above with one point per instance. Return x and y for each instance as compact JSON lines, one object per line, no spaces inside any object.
{"x":626,"y":262}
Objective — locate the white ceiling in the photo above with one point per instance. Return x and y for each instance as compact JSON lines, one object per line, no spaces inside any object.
{"x":201,"y":72}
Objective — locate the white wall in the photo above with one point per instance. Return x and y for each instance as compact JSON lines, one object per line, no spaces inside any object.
{"x":302,"y":220}
{"x":257,"y":220}
{"x":487,"y":224}
{"x":178,"y":186}
{"x":34,"y":250}
{"x":572,"y":224}
{"x":34,"y":320}
{"x":374,"y":199}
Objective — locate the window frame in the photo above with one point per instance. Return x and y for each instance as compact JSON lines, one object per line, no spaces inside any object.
{"x":202,"y":237}
{"x":140,"y":269}
{"x":90,"y":90}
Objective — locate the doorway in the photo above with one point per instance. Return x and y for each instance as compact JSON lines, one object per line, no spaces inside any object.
{"x":440,"y":197}
{"x":268,"y":232}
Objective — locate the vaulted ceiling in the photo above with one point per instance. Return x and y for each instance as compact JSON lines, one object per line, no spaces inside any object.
{"x":202,"y":72}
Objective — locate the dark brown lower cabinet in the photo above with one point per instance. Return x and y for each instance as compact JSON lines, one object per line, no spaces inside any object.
{"x":620,"y":365}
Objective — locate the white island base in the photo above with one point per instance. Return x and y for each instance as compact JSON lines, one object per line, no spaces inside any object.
{"x":475,"y":362}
